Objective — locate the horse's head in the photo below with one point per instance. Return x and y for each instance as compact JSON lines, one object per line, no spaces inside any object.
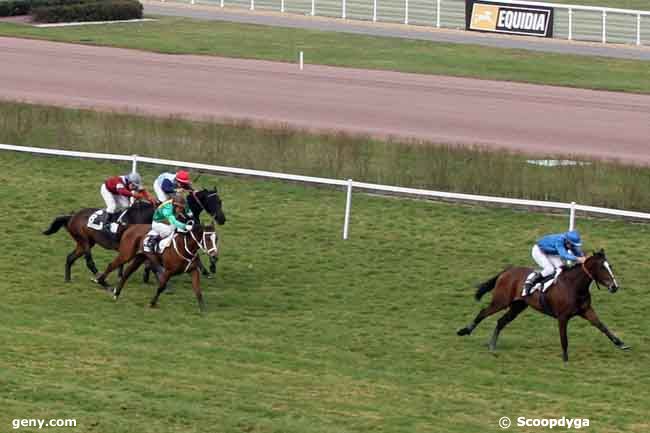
{"x":211,"y":202}
{"x":601,"y":271}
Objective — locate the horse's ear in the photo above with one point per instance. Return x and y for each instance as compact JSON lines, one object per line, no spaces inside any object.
{"x":214,"y":188}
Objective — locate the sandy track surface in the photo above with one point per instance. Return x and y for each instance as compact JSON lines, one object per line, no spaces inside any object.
{"x":441,"y":109}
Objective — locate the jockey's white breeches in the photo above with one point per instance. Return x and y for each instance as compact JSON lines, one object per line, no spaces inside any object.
{"x":114,"y":202}
{"x":160,"y":194}
{"x":160,"y":229}
{"x":547,"y":262}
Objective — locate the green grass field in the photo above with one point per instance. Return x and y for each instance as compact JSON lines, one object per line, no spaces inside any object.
{"x":306,"y":332}
{"x":186,"y":36}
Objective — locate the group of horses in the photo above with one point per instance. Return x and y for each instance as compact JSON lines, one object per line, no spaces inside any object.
{"x":568,"y":297}
{"x":182,"y":255}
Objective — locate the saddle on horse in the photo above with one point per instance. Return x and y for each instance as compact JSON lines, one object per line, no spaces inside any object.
{"x":153,"y":243}
{"x":102,"y":220}
{"x":536,"y":281}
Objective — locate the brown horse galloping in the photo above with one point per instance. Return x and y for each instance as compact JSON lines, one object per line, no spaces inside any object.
{"x":568,"y":297}
{"x":181,"y":256}
{"x":140,"y":212}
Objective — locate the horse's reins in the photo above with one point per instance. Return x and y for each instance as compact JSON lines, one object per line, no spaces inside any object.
{"x":201,"y":203}
{"x":584,"y":268}
{"x":202,"y":246}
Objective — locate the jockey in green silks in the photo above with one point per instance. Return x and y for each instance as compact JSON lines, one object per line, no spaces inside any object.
{"x":165,"y":222}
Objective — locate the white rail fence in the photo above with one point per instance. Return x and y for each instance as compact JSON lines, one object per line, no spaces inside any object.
{"x":572,"y":22}
{"x":349,"y":184}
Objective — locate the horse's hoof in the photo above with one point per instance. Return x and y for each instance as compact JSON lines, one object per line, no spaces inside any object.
{"x":153,"y":305}
{"x":463,"y":331}
{"x":115,"y":298}
{"x":624,"y":346}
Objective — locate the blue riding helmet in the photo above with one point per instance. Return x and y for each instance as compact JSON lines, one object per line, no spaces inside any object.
{"x":574,"y":238}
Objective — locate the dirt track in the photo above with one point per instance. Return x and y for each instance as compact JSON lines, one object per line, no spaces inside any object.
{"x":440,"y":109}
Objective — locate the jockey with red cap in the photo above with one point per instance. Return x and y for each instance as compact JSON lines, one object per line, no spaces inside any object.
{"x":167,"y":184}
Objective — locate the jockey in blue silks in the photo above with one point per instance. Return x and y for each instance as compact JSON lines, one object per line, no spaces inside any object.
{"x":549,"y":252}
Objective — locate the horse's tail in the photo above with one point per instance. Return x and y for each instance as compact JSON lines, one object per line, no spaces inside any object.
{"x":58,"y":222}
{"x":487,"y":286}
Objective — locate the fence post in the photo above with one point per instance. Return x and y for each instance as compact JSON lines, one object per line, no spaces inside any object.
{"x":406,"y":11}
{"x":572,"y":216}
{"x":221,"y":3}
{"x":570,"y":24}
{"x":374,"y":11}
{"x":282,"y":6}
{"x":134,"y":163}
{"x":638,"y":29}
{"x":313,"y":7}
{"x":604,"y":26}
{"x":348,"y":203}
{"x":438,"y":13}
{"x":343,"y":6}
{"x":252,"y":5}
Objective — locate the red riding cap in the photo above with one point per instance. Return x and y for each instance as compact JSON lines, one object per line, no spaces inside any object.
{"x":182,"y":176}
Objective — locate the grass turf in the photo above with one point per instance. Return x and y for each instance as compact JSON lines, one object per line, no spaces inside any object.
{"x":186,"y":36}
{"x":306,"y":332}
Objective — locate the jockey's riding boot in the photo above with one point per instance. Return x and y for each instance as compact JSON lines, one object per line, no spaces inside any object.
{"x":151,"y":243}
{"x":530,"y":283}
{"x":108,"y":219}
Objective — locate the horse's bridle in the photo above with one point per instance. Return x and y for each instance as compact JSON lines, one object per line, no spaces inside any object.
{"x":202,"y":244}
{"x":198,"y":200}
{"x":584,"y":268}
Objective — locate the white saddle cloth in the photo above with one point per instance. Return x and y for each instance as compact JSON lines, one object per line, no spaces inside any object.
{"x":548,"y":283}
{"x":166,"y":242}
{"x":95,"y":220}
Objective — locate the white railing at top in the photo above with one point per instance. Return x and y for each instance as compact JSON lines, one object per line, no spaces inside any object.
{"x":453,"y":15}
{"x":602,"y":10}
{"x":348,"y":184}
{"x":576,"y":7}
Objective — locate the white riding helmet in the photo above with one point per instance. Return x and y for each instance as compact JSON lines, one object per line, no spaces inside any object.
{"x":134,"y":179}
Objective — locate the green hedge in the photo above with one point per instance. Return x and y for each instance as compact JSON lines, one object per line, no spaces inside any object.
{"x":106,"y":10}
{"x":24,"y":7}
{"x":13,"y":8}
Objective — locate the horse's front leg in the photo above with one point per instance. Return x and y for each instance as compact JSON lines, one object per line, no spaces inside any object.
{"x":196,"y":288}
{"x":213,"y":264}
{"x":592,"y":317}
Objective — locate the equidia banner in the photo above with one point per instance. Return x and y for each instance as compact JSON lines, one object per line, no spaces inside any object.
{"x":495,"y":17}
